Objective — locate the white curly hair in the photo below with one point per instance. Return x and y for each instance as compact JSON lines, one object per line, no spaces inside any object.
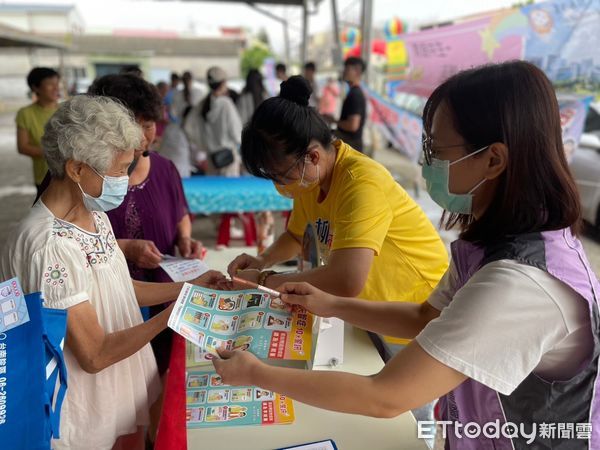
{"x":91,"y":130}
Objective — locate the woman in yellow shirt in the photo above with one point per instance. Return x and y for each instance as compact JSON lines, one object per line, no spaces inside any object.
{"x":376,"y":242}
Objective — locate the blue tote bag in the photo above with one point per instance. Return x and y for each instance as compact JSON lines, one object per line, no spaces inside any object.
{"x":33,"y":382}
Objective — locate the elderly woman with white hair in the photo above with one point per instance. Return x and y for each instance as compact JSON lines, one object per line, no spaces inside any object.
{"x":66,"y":249}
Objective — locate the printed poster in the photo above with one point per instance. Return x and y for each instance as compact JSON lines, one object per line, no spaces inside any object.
{"x":13,"y":309}
{"x":247,"y":320}
{"x":210,"y":403}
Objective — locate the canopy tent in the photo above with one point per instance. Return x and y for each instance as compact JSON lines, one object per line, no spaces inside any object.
{"x":366,"y":19}
{"x":12,"y":37}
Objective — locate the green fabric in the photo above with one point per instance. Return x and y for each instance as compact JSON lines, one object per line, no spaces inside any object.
{"x":33,"y":118}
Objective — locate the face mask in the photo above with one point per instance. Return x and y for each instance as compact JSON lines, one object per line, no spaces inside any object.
{"x":113,"y":193}
{"x":299,"y":187}
{"x":437,"y":178}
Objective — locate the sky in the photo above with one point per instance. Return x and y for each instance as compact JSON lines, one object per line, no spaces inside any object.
{"x":205,"y":18}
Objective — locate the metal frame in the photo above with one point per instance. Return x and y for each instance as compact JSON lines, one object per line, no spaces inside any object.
{"x":366,"y":25}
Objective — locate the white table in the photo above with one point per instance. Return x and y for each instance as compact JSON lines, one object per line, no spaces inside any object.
{"x":350,"y":432}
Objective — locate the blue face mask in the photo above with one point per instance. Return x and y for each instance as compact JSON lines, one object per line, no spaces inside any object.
{"x":113,"y":193}
{"x":437,"y":178}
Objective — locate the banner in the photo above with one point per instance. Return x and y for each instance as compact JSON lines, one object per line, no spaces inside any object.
{"x":401,"y":128}
{"x":404,"y":129}
{"x":572,"y":120}
{"x":271,"y":81}
{"x":562,"y":39}
{"x":558,"y":36}
{"x":436,"y":54}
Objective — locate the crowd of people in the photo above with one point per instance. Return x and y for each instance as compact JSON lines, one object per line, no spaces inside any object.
{"x":504,"y":331}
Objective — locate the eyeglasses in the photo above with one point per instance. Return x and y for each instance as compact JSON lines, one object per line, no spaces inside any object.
{"x":279,"y":178}
{"x":283,"y":179}
{"x":428,"y":151}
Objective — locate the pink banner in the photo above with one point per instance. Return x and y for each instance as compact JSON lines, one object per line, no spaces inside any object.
{"x":436,"y":54}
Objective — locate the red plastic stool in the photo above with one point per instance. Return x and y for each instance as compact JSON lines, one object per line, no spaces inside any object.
{"x":224,"y":236}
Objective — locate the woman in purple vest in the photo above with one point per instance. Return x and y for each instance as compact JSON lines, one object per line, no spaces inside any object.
{"x":509,"y":340}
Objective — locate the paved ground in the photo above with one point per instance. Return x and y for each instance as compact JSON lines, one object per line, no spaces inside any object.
{"x":17,"y":192}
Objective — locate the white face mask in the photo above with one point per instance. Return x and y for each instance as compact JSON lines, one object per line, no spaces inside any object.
{"x":114,"y":190}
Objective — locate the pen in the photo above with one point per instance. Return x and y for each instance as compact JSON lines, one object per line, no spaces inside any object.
{"x":257,"y":286}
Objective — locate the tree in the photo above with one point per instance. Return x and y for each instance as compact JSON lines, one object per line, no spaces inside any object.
{"x":263,"y":37}
{"x":254,"y":57}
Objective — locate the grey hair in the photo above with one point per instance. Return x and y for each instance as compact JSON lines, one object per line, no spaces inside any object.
{"x":91,"y":130}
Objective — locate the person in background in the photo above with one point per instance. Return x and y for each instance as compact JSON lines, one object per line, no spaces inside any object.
{"x":168,"y":99}
{"x":45,"y":85}
{"x":175,"y":146}
{"x":233,"y":95}
{"x":153,"y":219}
{"x":281,"y":71}
{"x":215,"y":125}
{"x":215,"y":128}
{"x":328,"y":103}
{"x":354,"y":109}
{"x":163,"y":89}
{"x":310,"y":71}
{"x":253,"y":94}
{"x":132,"y":69}
{"x":189,"y":96}
{"x":65,"y":248}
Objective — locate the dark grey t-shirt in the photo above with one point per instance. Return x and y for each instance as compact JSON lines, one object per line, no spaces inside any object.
{"x":355,"y":103}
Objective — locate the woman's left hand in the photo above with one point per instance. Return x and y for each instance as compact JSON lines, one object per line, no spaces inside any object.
{"x":213,"y":279}
{"x":237,"y":367}
{"x":190,"y":248}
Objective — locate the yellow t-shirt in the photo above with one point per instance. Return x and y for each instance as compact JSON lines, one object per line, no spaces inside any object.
{"x":366,"y":208}
{"x":33,"y":118}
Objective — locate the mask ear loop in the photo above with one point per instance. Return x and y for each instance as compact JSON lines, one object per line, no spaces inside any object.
{"x":469,"y":155}
{"x":477,"y":186}
{"x":97,"y":173}
{"x":303,"y":170}
{"x":85,"y":194}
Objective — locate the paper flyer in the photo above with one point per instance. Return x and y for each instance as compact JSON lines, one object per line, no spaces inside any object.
{"x":13,"y":309}
{"x":182,"y":269}
{"x":210,"y":403}
{"x":248,"y":320}
{"x":195,"y":357}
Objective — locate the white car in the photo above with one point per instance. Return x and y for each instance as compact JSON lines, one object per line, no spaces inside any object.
{"x":585,"y":166}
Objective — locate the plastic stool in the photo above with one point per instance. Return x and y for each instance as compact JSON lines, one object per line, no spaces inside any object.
{"x":247,"y":219}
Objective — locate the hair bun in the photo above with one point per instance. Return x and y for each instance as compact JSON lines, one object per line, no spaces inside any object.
{"x":296,"y":89}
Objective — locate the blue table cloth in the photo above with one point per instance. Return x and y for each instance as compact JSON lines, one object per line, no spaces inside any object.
{"x":215,"y":194}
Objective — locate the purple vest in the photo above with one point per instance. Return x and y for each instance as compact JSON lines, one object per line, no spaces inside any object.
{"x":572,"y":403}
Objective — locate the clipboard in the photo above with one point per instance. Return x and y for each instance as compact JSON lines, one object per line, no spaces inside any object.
{"x":327,"y":444}
{"x":311,"y":257}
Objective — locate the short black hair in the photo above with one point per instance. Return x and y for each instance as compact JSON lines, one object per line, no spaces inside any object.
{"x":39,"y":74}
{"x":139,"y":96}
{"x":355,"y":62}
{"x":280,"y":67}
{"x":282,"y":126}
{"x":132,"y":69}
{"x":310,"y":66}
{"x":175,"y":76}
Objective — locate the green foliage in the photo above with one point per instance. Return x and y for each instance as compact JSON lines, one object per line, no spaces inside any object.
{"x":254,"y":56}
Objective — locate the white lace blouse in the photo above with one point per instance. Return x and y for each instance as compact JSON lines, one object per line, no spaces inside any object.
{"x":69,"y":266}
